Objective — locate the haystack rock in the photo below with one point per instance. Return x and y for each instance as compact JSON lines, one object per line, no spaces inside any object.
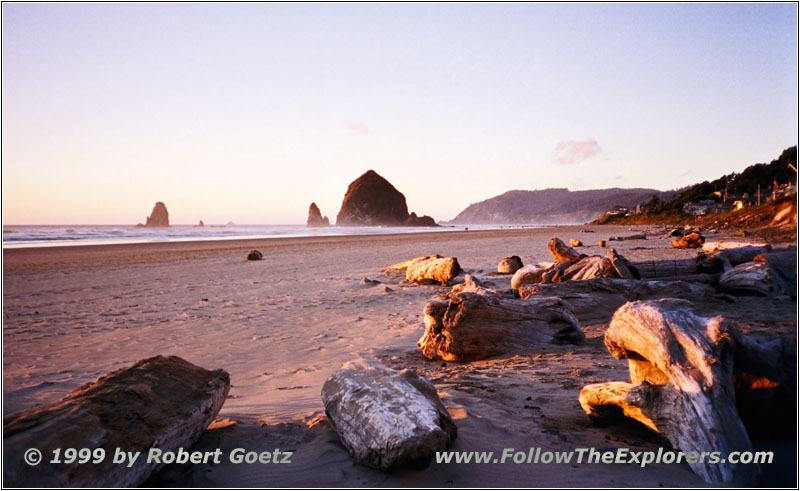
{"x":159,"y":217}
{"x":372,"y":200}
{"x":315,"y":218}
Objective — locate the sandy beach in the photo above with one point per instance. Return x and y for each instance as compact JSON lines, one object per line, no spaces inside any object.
{"x":280,"y":326}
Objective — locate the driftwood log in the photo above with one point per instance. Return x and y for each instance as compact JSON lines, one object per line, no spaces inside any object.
{"x":629,"y":237}
{"x":768,"y":274}
{"x":624,"y":269}
{"x":433,"y":269}
{"x":386,"y":418}
{"x":681,"y":368}
{"x":427,"y":269}
{"x":575,"y":243}
{"x":472,"y":326}
{"x":529,"y":274}
{"x":736,"y":252}
{"x":562,"y":252}
{"x":585,"y":268}
{"x":595,"y":301}
{"x":162,"y":403}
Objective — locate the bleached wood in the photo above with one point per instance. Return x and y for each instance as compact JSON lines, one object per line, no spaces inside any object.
{"x":386,"y":418}
{"x":160,"y":402}
{"x":681,"y":369}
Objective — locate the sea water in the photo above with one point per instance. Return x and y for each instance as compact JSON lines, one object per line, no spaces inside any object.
{"x":62,"y":235}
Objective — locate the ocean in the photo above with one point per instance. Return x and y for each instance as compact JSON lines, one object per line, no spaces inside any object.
{"x":64,"y":235}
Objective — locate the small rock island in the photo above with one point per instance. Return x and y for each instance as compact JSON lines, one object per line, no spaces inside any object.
{"x":159,"y":217}
{"x":315,"y":218}
{"x":372,"y":200}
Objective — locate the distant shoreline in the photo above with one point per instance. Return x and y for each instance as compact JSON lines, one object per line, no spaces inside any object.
{"x":104,"y":235}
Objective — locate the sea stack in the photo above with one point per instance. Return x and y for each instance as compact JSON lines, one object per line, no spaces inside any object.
{"x":315,"y":218}
{"x":159,"y":217}
{"x":372,"y":200}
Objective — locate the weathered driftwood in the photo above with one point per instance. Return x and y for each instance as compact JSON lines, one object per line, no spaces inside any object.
{"x":386,"y":418}
{"x":561,"y":251}
{"x":594,"y":301}
{"x":629,"y":237}
{"x":254,"y":255}
{"x":161,"y":402}
{"x":690,"y":241}
{"x":681,"y":369}
{"x":669,"y":268}
{"x":624,"y":268}
{"x":736,"y":252}
{"x":474,"y":285}
{"x":509,"y":265}
{"x":471,"y":326}
{"x":585,"y":268}
{"x":575,"y":243}
{"x":769,"y":274}
{"x":529,"y":274}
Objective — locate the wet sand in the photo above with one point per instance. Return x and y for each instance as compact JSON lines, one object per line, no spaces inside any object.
{"x":280,"y":326}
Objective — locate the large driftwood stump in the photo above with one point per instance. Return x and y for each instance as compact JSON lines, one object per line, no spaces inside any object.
{"x":594,"y":301}
{"x":162,"y":402}
{"x":386,"y":418}
{"x":472,"y":326}
{"x":681,"y":368}
{"x":561,"y":251}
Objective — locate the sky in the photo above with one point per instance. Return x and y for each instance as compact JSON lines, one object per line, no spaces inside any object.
{"x":249,"y":112}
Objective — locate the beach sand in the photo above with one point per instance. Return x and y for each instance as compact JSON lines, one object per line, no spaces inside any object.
{"x":280,"y":326}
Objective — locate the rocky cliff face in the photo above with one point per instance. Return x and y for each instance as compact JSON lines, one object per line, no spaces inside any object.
{"x":372,"y":200}
{"x":159,"y":217}
{"x":315,"y":218}
{"x":552,"y":206}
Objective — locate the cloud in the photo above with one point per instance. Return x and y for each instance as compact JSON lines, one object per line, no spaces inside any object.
{"x":571,"y":152}
{"x":360,"y":128}
{"x":687,"y":173}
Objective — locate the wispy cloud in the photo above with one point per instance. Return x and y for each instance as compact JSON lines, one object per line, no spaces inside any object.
{"x":360,"y":128}
{"x":686,"y":174}
{"x":571,"y":152}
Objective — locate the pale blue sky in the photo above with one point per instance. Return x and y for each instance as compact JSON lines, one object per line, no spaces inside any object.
{"x":248,"y":112}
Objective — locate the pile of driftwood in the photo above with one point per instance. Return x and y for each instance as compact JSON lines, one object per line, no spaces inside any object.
{"x":687,"y":375}
{"x":473,"y":322}
{"x":163,"y":403}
